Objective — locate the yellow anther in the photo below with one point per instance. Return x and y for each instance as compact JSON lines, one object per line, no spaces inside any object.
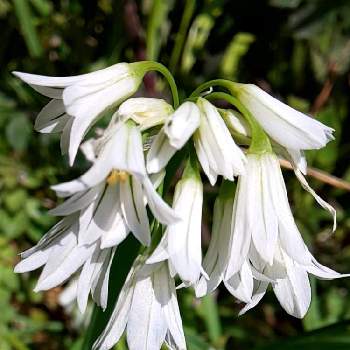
{"x":116,"y":176}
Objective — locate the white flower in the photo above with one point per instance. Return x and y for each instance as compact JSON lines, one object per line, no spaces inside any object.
{"x":215,"y":147}
{"x":288,"y":127}
{"x":256,"y":242}
{"x":78,"y":101}
{"x":119,"y":162}
{"x":176,"y":132}
{"x":181,"y":243}
{"x":61,"y":255}
{"x":147,"y":112}
{"x":147,"y":310}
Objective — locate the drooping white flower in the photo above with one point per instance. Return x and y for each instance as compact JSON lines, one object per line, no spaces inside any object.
{"x":288,"y":127}
{"x":256,"y":242}
{"x":146,"y":310}
{"x":78,"y":101}
{"x":181,"y":243}
{"x":216,"y":150}
{"x":146,"y":112}
{"x":61,"y":255}
{"x":118,"y":174}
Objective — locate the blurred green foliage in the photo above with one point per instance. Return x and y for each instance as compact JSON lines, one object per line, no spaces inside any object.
{"x":298,"y":50}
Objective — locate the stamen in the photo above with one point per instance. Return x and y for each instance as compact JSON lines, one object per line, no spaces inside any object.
{"x":117,"y":176}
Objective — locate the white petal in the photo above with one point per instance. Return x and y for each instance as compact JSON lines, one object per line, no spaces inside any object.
{"x":284,"y":124}
{"x":70,"y":264}
{"x":290,"y":237}
{"x":160,"y":153}
{"x":260,"y":291}
{"x":48,"y":91}
{"x":215,"y":260}
{"x":134,"y":209}
{"x":53,"y":110}
{"x":294,"y":292}
{"x":104,"y":213}
{"x":33,"y":261}
{"x":58,"y":232}
{"x":223,"y":155}
{"x":77,"y":202}
{"x":182,"y":124}
{"x":65,"y":137}
{"x":78,"y":129}
{"x":184,"y":237}
{"x":116,"y":234}
{"x":160,"y":209}
{"x":119,"y":317}
{"x":146,"y":327}
{"x":318,"y":199}
{"x":166,"y":294}
{"x":241,"y":234}
{"x":240,"y":285}
{"x":99,"y":289}
{"x":298,"y":159}
{"x":120,"y":69}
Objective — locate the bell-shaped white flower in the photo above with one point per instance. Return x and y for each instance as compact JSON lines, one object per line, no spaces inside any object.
{"x":146,"y":112}
{"x":216,"y":150}
{"x":288,"y":127}
{"x":181,"y":243}
{"x":256,"y":242}
{"x":78,"y":101}
{"x":147,"y":310}
{"x":120,"y":161}
{"x":61,"y":255}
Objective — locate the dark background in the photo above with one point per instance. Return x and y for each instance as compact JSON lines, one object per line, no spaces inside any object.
{"x":297,"y":50}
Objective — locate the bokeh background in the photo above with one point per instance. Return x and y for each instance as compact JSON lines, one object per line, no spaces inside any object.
{"x":297,"y":50}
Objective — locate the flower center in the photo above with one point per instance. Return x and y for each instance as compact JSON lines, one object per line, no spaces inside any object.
{"x":117,"y":176}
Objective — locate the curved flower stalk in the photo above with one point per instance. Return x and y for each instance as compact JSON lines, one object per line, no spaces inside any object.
{"x":61,"y":255}
{"x":146,"y":310}
{"x":181,"y":243}
{"x":78,"y":101}
{"x":288,"y":127}
{"x":217,"y":152}
{"x":256,"y":242}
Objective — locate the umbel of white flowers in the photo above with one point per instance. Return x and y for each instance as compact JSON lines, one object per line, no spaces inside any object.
{"x":255,"y":241}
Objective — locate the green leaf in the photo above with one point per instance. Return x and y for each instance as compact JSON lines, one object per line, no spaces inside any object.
{"x":26,"y":22}
{"x":18,"y":132}
{"x":157,"y":28}
{"x":335,"y":337}
{"x":196,"y":39}
{"x":237,"y":48}
{"x":210,"y":313}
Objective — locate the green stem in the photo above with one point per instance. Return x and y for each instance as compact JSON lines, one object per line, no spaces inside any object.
{"x":260,"y":141}
{"x":208,"y":84}
{"x":145,"y":66}
{"x":181,"y":34}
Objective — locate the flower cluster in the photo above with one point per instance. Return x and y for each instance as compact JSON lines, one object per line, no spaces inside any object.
{"x":255,"y":241}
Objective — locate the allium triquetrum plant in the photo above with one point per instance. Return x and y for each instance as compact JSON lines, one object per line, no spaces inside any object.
{"x":255,"y":241}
